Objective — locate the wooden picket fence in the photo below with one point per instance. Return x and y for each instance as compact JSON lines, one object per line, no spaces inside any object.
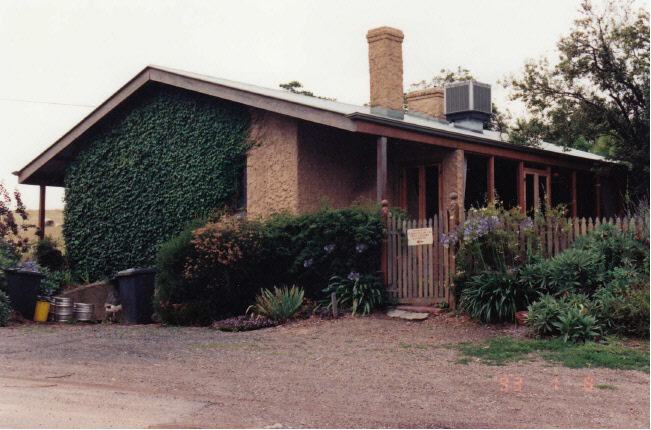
{"x":558,"y":235}
{"x":422,"y":274}
{"x":417,"y":274}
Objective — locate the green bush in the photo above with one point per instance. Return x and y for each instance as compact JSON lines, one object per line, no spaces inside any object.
{"x":217,"y":270}
{"x":310,"y":248}
{"x":7,"y":259}
{"x":280,"y":304}
{"x":571,"y":317}
{"x":494,"y":297}
{"x":576,"y":270}
{"x":52,"y":282}
{"x":630,"y":314}
{"x":176,"y":300}
{"x":543,"y":314}
{"x":489,"y":241}
{"x":47,"y":254}
{"x":361,"y":293}
{"x":576,"y":326}
{"x":5,"y":309}
{"x":163,"y":158}
{"x":537,"y":276}
{"x":614,"y":247}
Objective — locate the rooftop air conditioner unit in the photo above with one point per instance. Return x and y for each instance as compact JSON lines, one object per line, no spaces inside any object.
{"x":468,"y":104}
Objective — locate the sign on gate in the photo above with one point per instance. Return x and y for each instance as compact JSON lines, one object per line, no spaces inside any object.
{"x":420,"y":236}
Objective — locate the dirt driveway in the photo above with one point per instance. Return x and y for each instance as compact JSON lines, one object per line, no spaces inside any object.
{"x":352,"y":372}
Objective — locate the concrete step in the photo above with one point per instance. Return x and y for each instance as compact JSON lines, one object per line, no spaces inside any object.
{"x":405,"y":315}
{"x":421,"y":309}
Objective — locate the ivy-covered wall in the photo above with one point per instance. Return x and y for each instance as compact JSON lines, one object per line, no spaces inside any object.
{"x":163,"y":158}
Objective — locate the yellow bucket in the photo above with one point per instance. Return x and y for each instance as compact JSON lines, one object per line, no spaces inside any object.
{"x":41,"y":311}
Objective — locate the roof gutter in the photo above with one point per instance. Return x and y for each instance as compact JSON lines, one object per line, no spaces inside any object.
{"x":464,"y":137}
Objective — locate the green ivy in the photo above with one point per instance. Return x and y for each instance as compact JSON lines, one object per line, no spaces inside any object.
{"x":165,"y":157}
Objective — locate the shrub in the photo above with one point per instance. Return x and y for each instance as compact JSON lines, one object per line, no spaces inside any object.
{"x":5,"y":309}
{"x":543,"y":314}
{"x":280,"y":304}
{"x":311,"y":248}
{"x":7,"y":259}
{"x":572,"y":317}
{"x":630,"y":314}
{"x":537,"y":276}
{"x":176,"y":300}
{"x":576,"y":270}
{"x":11,"y":240}
{"x":576,"y":326}
{"x":361,"y":293}
{"x":495,"y":297}
{"x":615,"y":248}
{"x":52,"y":282}
{"x":48,"y":255}
{"x":490,"y":237}
{"x":489,"y":241}
{"x":219,"y":268}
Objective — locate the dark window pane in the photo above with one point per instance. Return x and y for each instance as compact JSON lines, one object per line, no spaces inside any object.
{"x":412,"y":192}
{"x":432,"y":191}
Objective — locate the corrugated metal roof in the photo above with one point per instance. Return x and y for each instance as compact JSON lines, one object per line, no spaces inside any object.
{"x":350,"y":109}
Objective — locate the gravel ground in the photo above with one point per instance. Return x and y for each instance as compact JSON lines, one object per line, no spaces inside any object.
{"x":351,"y":372}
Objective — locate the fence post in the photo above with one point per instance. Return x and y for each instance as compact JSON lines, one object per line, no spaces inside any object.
{"x":453,"y":210}
{"x":384,"y":263}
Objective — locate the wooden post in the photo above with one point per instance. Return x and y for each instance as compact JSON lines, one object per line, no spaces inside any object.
{"x":335,"y":310}
{"x":521,"y":188}
{"x":597,"y":197}
{"x":381,"y":168}
{"x":548,"y":186}
{"x":384,"y":258}
{"x":575,"y":209}
{"x":490,"y":180}
{"x":41,"y":212}
{"x":454,"y":217}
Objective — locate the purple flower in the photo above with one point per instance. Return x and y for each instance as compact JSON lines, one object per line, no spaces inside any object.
{"x":361,"y":247}
{"x":526,"y":224}
{"x":329,"y":248}
{"x":353,"y":276}
{"x":29,"y":265}
{"x":308,"y":263}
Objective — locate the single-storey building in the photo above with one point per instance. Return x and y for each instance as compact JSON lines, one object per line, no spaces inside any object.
{"x":307,"y":148}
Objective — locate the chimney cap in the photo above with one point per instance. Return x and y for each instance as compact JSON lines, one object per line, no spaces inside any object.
{"x":381,"y":33}
{"x":427,"y":92}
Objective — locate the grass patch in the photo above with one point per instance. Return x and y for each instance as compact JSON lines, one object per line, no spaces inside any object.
{"x":502,"y":350}
{"x":606,"y":387}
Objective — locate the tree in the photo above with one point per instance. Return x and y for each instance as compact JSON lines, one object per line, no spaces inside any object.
{"x":497,"y":121}
{"x":11,"y":241}
{"x":598,"y":90}
{"x":296,"y":88}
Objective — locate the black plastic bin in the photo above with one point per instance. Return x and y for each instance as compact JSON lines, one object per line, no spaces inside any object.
{"x":22,"y":290}
{"x":136,"y":288}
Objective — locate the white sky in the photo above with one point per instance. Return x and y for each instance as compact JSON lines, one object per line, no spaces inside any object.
{"x":80,"y":52}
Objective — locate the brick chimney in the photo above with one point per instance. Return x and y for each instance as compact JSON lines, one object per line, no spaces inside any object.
{"x":385,"y":65}
{"x":429,"y":102}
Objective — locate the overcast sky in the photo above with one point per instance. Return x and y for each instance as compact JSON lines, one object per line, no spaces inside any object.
{"x":69,"y":56}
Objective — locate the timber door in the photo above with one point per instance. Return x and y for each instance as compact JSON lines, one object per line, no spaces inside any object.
{"x":537,"y":190}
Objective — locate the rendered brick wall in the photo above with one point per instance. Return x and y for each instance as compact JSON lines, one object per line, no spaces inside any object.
{"x":334,"y":166}
{"x":272,"y":164}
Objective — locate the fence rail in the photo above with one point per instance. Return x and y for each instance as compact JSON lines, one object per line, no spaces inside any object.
{"x":423,"y":274}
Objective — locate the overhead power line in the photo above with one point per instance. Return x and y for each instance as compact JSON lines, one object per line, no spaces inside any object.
{"x":44,"y":102}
